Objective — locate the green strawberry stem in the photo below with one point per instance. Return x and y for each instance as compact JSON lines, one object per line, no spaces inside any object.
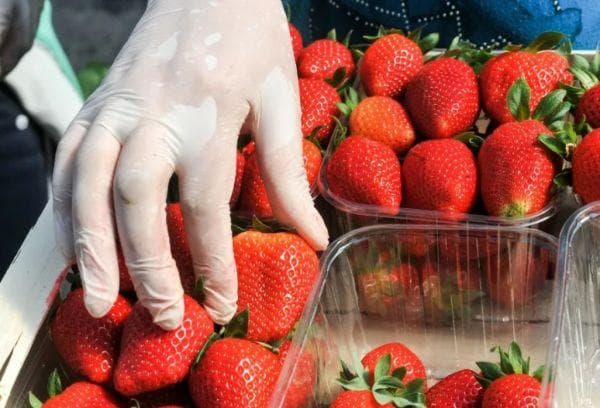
{"x":551,"y":110}
{"x":467,"y":52}
{"x":34,"y":401}
{"x":471,"y":139}
{"x":511,"y":362}
{"x":549,"y":40}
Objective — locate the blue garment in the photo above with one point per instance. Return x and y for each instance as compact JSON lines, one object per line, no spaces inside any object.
{"x":484,"y":22}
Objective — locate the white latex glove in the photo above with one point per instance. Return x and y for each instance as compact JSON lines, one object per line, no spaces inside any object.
{"x":18,"y":24}
{"x":174,"y":101}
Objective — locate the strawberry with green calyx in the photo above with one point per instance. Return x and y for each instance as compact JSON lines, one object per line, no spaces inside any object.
{"x":401,"y":356}
{"x":542,"y":68}
{"x":457,"y":390}
{"x":586,"y":96}
{"x":78,"y":395}
{"x":516,"y":170}
{"x":379,"y":118}
{"x":508,"y":383}
{"x":467,"y":52}
{"x":319,"y":104}
{"x":391,"y":61}
{"x":327,"y":59}
{"x":379,"y":387}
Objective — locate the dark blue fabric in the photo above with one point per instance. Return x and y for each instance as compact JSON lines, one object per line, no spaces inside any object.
{"x":484,"y":22}
{"x":23,"y":181}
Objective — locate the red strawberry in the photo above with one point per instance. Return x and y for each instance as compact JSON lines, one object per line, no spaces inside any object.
{"x":180,"y":248}
{"x":402,"y":356}
{"x":276,"y":272}
{"x":323,"y":57}
{"x":589,"y":107}
{"x":152,"y":358}
{"x":240,"y":161}
{"x":357,"y":399}
{"x":543,"y":71}
{"x":318,"y":101}
{"x":383,"y":119}
{"x":88,"y":345}
{"x":516,"y":170}
{"x":365,"y":171}
{"x":586,"y":168}
{"x":381,"y":291}
{"x":443,"y":98}
{"x":234,"y":373}
{"x":508,"y":384}
{"x":458,"y":390}
{"x":83,"y":395}
{"x":300,"y":391}
{"x":253,"y":197}
{"x":389,"y":64}
{"x":513,"y":391}
{"x":440,"y":175}
{"x":296,"y":40}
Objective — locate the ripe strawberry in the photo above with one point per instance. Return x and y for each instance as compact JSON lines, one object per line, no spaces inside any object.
{"x":508,"y":384}
{"x":443,"y":98}
{"x":234,"y":373}
{"x":544,"y":71}
{"x":357,"y":399}
{"x":300,"y":391}
{"x":318,"y":101}
{"x":586,"y":168}
{"x":323,"y":58}
{"x":83,"y":395}
{"x":383,"y":119}
{"x":389,"y":64}
{"x":516,"y":170}
{"x":296,"y":40}
{"x":152,"y":358}
{"x":253,"y":197}
{"x":88,"y":345}
{"x":458,"y":390}
{"x":402,"y":356}
{"x":589,"y":107}
{"x":276,"y":272}
{"x":180,"y":248}
{"x":240,"y":161}
{"x":365,"y":171}
{"x":440,"y":175}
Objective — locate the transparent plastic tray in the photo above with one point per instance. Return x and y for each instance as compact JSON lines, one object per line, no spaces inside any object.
{"x":577,"y":379}
{"x":349,"y":315}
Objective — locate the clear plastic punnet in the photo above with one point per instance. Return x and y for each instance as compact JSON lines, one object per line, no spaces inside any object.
{"x":344,"y":215}
{"x":576,"y":381}
{"x":448,"y":292}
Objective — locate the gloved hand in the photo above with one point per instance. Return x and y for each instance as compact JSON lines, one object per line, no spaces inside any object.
{"x":191,"y":74}
{"x":18,"y":24}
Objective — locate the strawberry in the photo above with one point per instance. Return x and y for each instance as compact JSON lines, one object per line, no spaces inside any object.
{"x":88,"y":345}
{"x":180,"y":248}
{"x":516,"y":170}
{"x":586,"y":95}
{"x":240,"y":161}
{"x":544,"y":71}
{"x":401,"y":356}
{"x":322,"y":58}
{"x":318,"y":101}
{"x":382,"y":119}
{"x":276,"y":272}
{"x":152,"y":358}
{"x":357,"y":399}
{"x":253,"y":196}
{"x":83,"y":395}
{"x":440,"y":175}
{"x":586,"y":169}
{"x":389,"y":64}
{"x":234,"y":373}
{"x":508,"y":384}
{"x":589,"y":106}
{"x":377,"y":388}
{"x":365,"y":171}
{"x":296,"y":40}
{"x":300,"y":391}
{"x":458,"y":390}
{"x":443,"y":98}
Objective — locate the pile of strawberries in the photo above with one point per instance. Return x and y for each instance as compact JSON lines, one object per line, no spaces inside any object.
{"x":463,"y":131}
{"x":393,"y":376}
{"x":124,"y":360}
